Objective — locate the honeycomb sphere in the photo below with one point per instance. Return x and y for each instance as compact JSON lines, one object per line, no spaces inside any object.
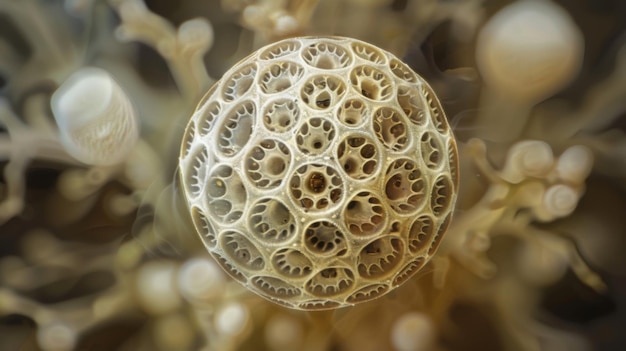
{"x":320,"y":172}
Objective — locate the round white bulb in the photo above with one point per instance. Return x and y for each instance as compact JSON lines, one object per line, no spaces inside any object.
{"x":528,"y":158}
{"x":56,"y":336}
{"x":574,"y":164}
{"x":200,"y":279}
{"x":156,"y":287}
{"x":559,"y":201}
{"x":529,"y":50}
{"x":196,"y":33}
{"x":413,"y":331}
{"x":232,"y":319}
{"x":285,"y":24}
{"x":283,"y":332}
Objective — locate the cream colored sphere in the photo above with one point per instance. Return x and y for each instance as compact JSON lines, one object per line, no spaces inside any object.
{"x":320,"y":172}
{"x":529,"y":50}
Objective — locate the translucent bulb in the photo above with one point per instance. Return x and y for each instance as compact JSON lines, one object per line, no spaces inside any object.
{"x":529,"y":50}
{"x":156,"y":287}
{"x":529,"y":158}
{"x":285,"y":24}
{"x":574,"y":164}
{"x":232,"y":319}
{"x":413,"y":331}
{"x":283,"y":332}
{"x":558,"y":201}
{"x":196,"y":33}
{"x":56,"y":336}
{"x":200,"y":279}
{"x":97,"y":122}
{"x":255,"y":16}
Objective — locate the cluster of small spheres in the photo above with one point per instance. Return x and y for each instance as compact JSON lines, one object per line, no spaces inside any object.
{"x":320,"y":172}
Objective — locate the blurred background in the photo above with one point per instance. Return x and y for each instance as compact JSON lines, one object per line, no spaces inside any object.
{"x":96,"y":247}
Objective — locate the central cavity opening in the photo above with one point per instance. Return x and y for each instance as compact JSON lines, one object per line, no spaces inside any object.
{"x":370,"y":89}
{"x":275,"y":166}
{"x":316,"y":182}
{"x":330,"y":273}
{"x":397,"y":187}
{"x":279,"y":84}
{"x":277,"y":213}
{"x":325,"y":62}
{"x":323,"y":100}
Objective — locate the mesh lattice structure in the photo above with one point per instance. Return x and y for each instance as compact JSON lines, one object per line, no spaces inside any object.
{"x":320,"y":172}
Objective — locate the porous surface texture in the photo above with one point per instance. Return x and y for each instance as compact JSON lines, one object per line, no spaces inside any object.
{"x":320,"y":172}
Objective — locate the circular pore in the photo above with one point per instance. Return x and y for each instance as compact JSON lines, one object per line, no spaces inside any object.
{"x":321,"y":155}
